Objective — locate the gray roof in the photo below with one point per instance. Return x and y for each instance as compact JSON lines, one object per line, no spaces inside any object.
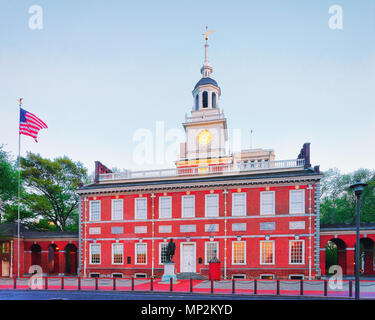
{"x":346,"y":226}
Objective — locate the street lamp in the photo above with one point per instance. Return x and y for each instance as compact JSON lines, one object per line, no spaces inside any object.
{"x":358,"y":188}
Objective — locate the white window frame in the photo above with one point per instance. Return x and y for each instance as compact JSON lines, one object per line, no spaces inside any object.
{"x":266,"y":275}
{"x":217,"y":205}
{"x":242,"y":214}
{"x":90,"y":208}
{"x":117,"y":273}
{"x":303,"y":252}
{"x":122,"y":210}
{"x":90,"y":253}
{"x":165,"y":215}
{"x":182,"y":206}
{"x":136,"y":214}
{"x":161,"y":244}
{"x":238,"y":276}
{"x":95,"y":230}
{"x":92,"y":273}
{"x":233,"y":263}
{"x":302,"y":276}
{"x":135,"y":249}
{"x":113,"y":253}
{"x":206,"y":262}
{"x":273,"y":203}
{"x":303,"y":201}
{"x":261,"y":252}
{"x":140,"y":275}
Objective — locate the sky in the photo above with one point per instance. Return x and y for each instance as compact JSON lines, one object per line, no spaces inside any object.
{"x":101,"y":72}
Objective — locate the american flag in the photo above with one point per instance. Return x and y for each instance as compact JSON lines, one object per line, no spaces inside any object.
{"x":30,"y":124}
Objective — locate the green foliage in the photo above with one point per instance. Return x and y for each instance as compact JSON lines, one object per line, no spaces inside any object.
{"x":338,"y":202}
{"x":8,"y":179}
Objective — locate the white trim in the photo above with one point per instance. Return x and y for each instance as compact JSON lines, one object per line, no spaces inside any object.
{"x":195,"y":255}
{"x":135,"y":252}
{"x":238,"y":276}
{"x":245,"y":204}
{"x":160,"y":245}
{"x":298,"y":275}
{"x":205,"y":250}
{"x":245,"y":255}
{"x":140,"y":275}
{"x":273,"y":203}
{"x":91,"y":273}
{"x":261,"y":253}
{"x":122,"y":209}
{"x":266,"y":275}
{"x":182,"y":206}
{"x":136,"y":200}
{"x":118,"y":244}
{"x":169,"y":214}
{"x":303,"y":252}
{"x":118,"y":273}
{"x":303,"y":200}
{"x":213,"y":195}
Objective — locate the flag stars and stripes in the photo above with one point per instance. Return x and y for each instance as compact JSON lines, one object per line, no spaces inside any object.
{"x":30,"y":124}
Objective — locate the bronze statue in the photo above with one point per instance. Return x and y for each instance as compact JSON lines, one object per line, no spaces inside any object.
{"x":170,"y":251}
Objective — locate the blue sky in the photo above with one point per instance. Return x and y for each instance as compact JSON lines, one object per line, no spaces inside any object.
{"x":100,"y":70}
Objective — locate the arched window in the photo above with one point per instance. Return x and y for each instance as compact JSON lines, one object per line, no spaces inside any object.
{"x":197,"y":102}
{"x":205,"y":99}
{"x":213,"y":100}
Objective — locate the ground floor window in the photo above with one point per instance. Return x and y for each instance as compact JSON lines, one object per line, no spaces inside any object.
{"x":296,"y":251}
{"x":267,"y":276}
{"x":117,"y":275}
{"x":238,"y":252}
{"x":212,"y":251}
{"x":140,"y":275}
{"x":117,"y":253}
{"x":94,"y":275}
{"x":163,"y":252}
{"x":296,"y":276}
{"x":94,"y":253}
{"x":140,"y":253}
{"x":267,"y":252}
{"x":238,"y":276}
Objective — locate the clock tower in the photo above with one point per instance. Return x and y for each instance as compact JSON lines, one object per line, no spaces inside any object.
{"x":206,"y":128}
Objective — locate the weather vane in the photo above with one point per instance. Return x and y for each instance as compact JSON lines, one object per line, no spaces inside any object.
{"x":207,"y":33}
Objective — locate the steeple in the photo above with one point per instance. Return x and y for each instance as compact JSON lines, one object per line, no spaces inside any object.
{"x":206,"y":69}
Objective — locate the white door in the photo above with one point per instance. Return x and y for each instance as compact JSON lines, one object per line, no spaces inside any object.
{"x":5,"y":268}
{"x":188,"y":258}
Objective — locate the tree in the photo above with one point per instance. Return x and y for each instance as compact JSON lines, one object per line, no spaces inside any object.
{"x":338,"y":202}
{"x":51,"y":187}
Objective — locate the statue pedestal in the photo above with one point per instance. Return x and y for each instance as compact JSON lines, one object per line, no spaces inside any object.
{"x":169,"y":272}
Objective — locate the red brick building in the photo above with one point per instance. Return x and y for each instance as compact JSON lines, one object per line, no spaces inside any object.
{"x":257,"y":215}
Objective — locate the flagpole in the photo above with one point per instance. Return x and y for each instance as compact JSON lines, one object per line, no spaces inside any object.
{"x":19,"y":192}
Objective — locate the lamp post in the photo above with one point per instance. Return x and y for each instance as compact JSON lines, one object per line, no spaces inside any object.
{"x":358,"y":188}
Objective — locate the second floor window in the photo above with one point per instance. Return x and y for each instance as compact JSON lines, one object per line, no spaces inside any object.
{"x":117,"y":209}
{"x":141,"y":208}
{"x":212,"y":205}
{"x":188,"y":206}
{"x":267,"y":202}
{"x":239,"y":204}
{"x":165,"y":207}
{"x":95,"y":210}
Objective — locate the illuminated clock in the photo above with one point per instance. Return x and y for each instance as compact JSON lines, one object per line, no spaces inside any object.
{"x":204,"y":137}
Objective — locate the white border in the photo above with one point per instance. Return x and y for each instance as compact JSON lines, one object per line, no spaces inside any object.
{"x":205,"y":204}
{"x":113,"y":253}
{"x":100,"y":210}
{"x":122,"y":211}
{"x":273,"y":203}
{"x":303,"y":201}
{"x":273,"y":252}
{"x":135,"y":252}
{"x":170,"y":211}
{"x":182,"y":257}
{"x":245,"y":209}
{"x":135,"y":208}
{"x":100,"y":253}
{"x":160,"y":245}
{"x":205,"y":250}
{"x":303,"y":252}
{"x":245,"y":253}
{"x":182,"y":206}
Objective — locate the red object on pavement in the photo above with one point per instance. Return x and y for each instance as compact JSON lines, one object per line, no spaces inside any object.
{"x":214,"y":270}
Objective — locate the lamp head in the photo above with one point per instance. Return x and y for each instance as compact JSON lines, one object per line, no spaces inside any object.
{"x":358,"y":187}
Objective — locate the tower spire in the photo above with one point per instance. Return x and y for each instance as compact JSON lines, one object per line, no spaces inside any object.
{"x":206,"y":70}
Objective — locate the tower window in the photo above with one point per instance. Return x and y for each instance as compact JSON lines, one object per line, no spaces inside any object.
{"x":213,"y":100}
{"x":205,"y":99}
{"x":197,"y":102}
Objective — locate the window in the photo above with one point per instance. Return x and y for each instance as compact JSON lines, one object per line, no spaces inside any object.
{"x":94,"y":253}
{"x":95,"y":210}
{"x":267,"y":253}
{"x":212,"y":205}
{"x":163,"y":252}
{"x":188,"y":206}
{"x":297,"y":201}
{"x":117,"y":275}
{"x":95,"y":230}
{"x":267,"y":202}
{"x":205,"y":99}
{"x":267,"y":276}
{"x":141,"y":253}
{"x":213,"y":100}
{"x":239,"y":204}
{"x":212,"y":251}
{"x":140,"y":208}
{"x":238,"y":276}
{"x":296,"y":277}
{"x":117,"y":230}
{"x":238,"y":252}
{"x":94,"y":275}
{"x":296,"y":251}
{"x":117,"y":253}
{"x":117,"y":209}
{"x":140,"y":275}
{"x":165,"y":207}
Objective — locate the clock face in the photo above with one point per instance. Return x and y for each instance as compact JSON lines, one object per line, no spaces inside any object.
{"x":204,"y":137}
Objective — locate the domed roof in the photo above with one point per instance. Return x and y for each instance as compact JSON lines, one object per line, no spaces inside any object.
{"x":205,"y":81}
